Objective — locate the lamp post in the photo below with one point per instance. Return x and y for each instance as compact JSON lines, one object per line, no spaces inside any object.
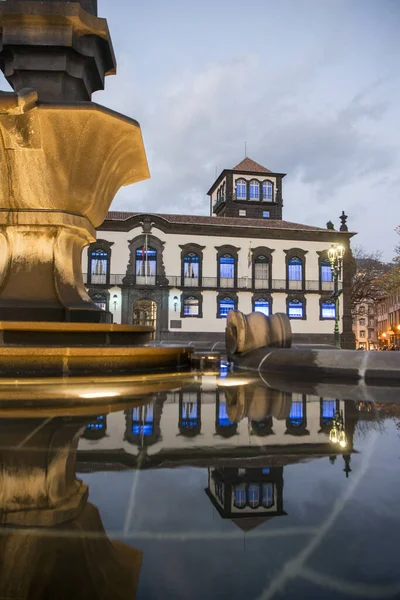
{"x":335,"y":255}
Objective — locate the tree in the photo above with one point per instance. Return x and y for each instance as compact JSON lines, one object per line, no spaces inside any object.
{"x":368,"y":278}
{"x":390,"y":280}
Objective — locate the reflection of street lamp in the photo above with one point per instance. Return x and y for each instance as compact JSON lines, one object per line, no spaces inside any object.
{"x":337,"y":434}
{"x":335,"y":255}
{"x":115,"y":300}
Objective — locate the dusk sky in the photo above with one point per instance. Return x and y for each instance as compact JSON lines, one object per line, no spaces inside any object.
{"x":312,"y":86}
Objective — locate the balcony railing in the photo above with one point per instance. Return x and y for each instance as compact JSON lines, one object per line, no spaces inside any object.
{"x":243,"y":283}
{"x":220,"y":201}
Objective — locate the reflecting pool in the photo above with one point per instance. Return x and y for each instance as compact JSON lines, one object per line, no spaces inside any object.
{"x":217,"y":487}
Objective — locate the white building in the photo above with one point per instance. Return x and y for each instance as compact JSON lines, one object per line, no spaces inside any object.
{"x":183,"y":273}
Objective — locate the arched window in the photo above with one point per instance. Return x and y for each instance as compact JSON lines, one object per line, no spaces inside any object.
{"x":99,"y":266}
{"x":267,"y":495}
{"x":191,"y":306}
{"x":191,"y":265}
{"x":254,"y":190}
{"x":295,"y":309}
{"x":146,"y":265}
{"x":225,"y":305}
{"x":262,"y":305}
{"x":267,"y":191}
{"x":253,"y":495}
{"x":239,"y":494}
{"x":328,"y":309}
{"x":261,"y":272}
{"x":241,"y":189}
{"x":227,"y":266}
{"x":295,"y":269}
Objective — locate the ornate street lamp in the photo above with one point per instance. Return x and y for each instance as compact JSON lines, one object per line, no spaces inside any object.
{"x":335,"y":255}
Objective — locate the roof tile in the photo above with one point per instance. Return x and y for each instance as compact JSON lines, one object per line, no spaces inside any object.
{"x":247,"y":164}
{"x":219,"y":221}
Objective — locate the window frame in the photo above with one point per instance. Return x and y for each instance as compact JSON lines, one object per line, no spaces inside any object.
{"x":223,"y":296}
{"x":326,"y":301}
{"x":105,"y":247}
{"x":255,"y":253}
{"x":294,"y":299}
{"x":296,"y":284}
{"x":264,"y":183}
{"x":187,"y":249}
{"x":233,"y":251}
{"x":242,"y":181}
{"x":197,"y":296}
{"x":255,"y":184}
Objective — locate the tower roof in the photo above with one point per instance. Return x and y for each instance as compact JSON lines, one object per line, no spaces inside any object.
{"x":248,"y":164}
{"x":251,"y":523}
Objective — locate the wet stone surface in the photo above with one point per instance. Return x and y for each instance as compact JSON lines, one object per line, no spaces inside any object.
{"x":222,"y":488}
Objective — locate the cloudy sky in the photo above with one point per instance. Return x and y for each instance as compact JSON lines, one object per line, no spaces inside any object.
{"x":313,"y":86}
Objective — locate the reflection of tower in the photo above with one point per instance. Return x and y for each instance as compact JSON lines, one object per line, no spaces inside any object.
{"x":247,"y":496}
{"x":143,"y":422}
{"x":223,"y":425}
{"x":190,"y":412}
{"x":97,"y":429}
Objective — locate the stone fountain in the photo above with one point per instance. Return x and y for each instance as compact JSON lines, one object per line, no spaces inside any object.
{"x":63,"y":158}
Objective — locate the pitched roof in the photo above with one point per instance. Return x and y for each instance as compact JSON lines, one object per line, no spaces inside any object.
{"x":219,"y":221}
{"x":247,"y":164}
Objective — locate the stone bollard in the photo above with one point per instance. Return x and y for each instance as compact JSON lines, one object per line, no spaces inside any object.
{"x":249,"y":332}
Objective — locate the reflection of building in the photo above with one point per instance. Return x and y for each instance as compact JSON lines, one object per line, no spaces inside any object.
{"x":204,"y":423}
{"x":248,"y":496}
{"x":365,"y":325}
{"x":184,"y":273}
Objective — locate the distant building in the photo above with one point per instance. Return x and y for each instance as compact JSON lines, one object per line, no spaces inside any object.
{"x":388,"y":321}
{"x":365,"y":326}
{"x":184,"y":273}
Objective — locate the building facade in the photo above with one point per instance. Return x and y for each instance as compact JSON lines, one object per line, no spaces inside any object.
{"x":184,"y":273}
{"x":388,"y":321}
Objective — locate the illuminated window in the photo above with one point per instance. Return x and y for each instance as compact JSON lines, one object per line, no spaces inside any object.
{"x":295,"y":269}
{"x":267,"y":495}
{"x":191,"y":307}
{"x":241,"y":189}
{"x":262,"y":305}
{"x":146,"y":264}
{"x":239,"y":492}
{"x":254,"y":190}
{"x":328,"y":310}
{"x":253,"y":495}
{"x":191,"y":264}
{"x":99,"y":264}
{"x":225,"y":305}
{"x":326,"y":271}
{"x":227,"y":267}
{"x":295,"y":309}
{"x":267,"y":191}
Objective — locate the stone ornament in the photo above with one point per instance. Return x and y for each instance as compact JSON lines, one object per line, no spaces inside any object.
{"x":249,"y":332}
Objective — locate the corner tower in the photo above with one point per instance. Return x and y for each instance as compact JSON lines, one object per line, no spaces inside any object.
{"x":249,"y":190}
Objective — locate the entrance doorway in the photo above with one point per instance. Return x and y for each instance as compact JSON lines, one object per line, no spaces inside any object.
{"x":145,"y":313}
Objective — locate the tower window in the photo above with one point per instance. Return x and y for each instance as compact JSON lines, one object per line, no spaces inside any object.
{"x":253,"y":494}
{"x":242,"y":213}
{"x":254,"y":190}
{"x":268,"y":495}
{"x":239,"y":492}
{"x":266,"y":214}
{"x":267,"y":188}
{"x":241,"y":189}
